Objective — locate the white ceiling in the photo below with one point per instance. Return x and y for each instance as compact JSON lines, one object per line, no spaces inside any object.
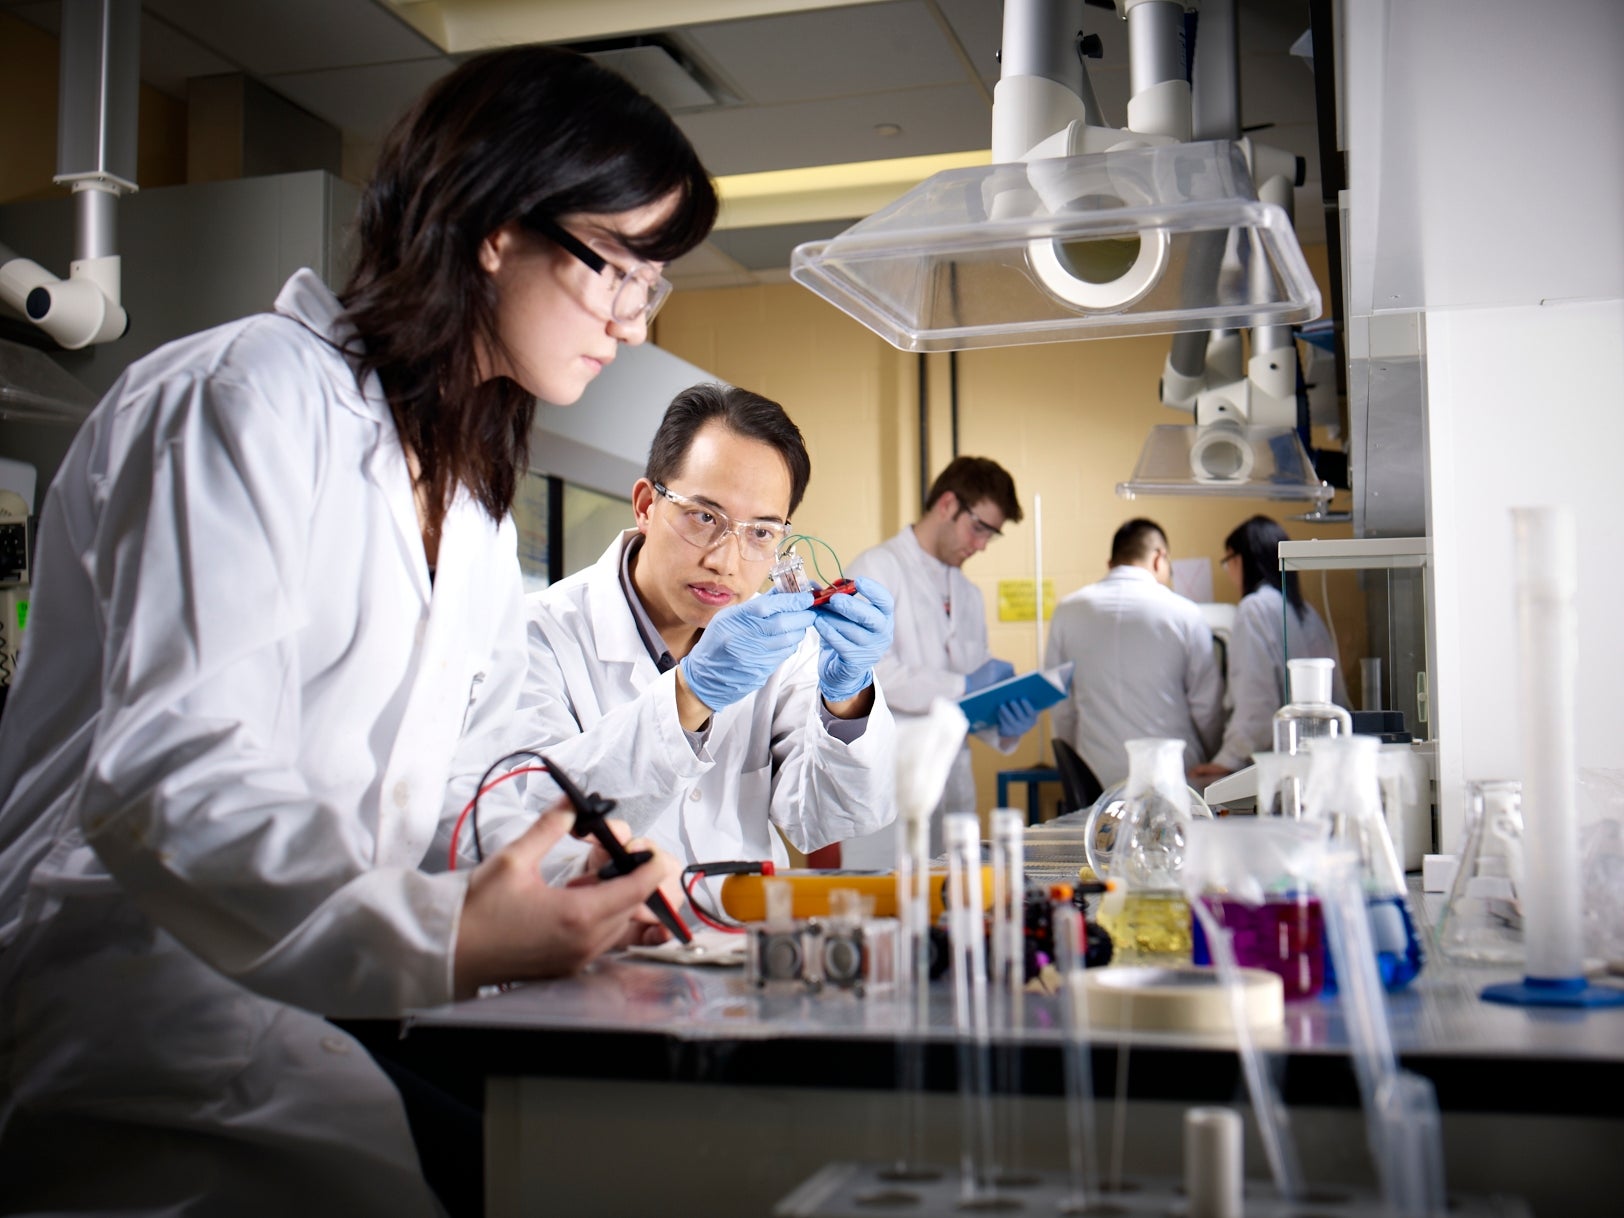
{"x":828,"y":85}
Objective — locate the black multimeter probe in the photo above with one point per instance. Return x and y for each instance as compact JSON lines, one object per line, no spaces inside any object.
{"x":590,"y":813}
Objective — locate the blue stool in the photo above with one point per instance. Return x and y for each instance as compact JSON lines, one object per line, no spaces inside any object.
{"x":1033,"y":777}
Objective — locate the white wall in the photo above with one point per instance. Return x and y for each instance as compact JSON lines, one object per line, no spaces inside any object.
{"x":601,"y":442}
{"x":1525,"y":407}
{"x":1485,"y":144}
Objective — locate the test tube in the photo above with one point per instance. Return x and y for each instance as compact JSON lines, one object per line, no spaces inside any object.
{"x":967,"y":936}
{"x":1009,"y":972}
{"x":913,"y":985}
{"x":1070,"y":951}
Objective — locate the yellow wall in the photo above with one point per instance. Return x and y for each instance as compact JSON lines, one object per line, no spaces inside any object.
{"x":1067,"y":420}
{"x":28,"y":81}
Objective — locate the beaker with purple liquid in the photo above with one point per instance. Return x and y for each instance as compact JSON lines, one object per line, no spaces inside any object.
{"x":1285,"y":934}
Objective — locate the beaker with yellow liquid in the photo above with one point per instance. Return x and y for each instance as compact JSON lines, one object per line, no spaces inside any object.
{"x":1146,"y":913}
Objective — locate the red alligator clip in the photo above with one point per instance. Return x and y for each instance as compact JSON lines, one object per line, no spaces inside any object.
{"x":822,"y":595}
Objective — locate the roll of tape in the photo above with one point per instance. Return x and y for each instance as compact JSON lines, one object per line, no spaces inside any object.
{"x":1180,"y":999}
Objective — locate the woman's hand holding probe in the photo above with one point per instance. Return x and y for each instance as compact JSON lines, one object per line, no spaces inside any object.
{"x":515,"y":926}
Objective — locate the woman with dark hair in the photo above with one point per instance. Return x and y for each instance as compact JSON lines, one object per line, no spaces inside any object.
{"x":277,"y":638}
{"x":1259,"y":643}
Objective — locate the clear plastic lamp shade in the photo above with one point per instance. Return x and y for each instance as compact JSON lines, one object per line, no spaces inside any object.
{"x":1225,"y":458}
{"x":1135,"y":241}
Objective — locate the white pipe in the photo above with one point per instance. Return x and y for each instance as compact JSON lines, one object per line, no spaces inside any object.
{"x":1037,"y":566}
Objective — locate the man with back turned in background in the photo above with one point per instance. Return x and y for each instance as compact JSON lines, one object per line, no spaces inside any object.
{"x":939,"y":648}
{"x":1143,"y":656}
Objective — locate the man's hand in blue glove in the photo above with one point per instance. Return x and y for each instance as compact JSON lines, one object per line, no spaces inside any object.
{"x":1016,"y":717}
{"x":990,"y":673}
{"x":856,"y":633}
{"x":744,"y":644}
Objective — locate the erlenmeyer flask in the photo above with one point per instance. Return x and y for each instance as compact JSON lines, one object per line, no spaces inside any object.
{"x":1344,"y":788}
{"x":1280,"y":779}
{"x":1145,"y":913}
{"x":1482,"y":920}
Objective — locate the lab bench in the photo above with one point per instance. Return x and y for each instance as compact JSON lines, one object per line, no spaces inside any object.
{"x":641,"y":1087}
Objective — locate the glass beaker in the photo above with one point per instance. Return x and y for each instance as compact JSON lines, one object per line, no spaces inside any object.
{"x":1256,"y":877}
{"x":1482,"y":919}
{"x":1145,"y":912}
{"x":1344,"y":789}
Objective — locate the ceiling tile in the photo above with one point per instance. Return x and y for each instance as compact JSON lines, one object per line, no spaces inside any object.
{"x":364,"y":101}
{"x":829,"y":53}
{"x":267,"y":37}
{"x":751,"y":139}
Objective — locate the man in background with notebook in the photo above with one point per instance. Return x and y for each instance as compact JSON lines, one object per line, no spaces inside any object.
{"x":1143,"y":658}
{"x":939,"y":648}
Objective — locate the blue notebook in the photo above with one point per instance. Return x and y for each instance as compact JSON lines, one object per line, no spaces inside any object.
{"x":1041,"y":688}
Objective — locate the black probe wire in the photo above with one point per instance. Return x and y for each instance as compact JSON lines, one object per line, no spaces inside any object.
{"x":479,"y":791}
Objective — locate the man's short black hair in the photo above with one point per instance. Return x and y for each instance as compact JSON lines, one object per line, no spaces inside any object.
{"x":1136,"y":541}
{"x":745,"y":414}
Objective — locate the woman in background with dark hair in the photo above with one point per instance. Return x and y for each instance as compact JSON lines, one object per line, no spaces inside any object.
{"x":277,"y":637}
{"x":1257,"y":645}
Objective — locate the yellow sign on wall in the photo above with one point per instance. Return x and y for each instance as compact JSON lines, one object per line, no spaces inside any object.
{"x":1017,"y":600}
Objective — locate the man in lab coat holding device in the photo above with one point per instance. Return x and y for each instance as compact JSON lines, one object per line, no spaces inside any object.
{"x":709,"y":713}
{"x":940,"y":648}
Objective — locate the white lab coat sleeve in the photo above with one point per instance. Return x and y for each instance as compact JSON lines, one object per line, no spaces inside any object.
{"x":1204,"y":686}
{"x":492,"y":730}
{"x":912,"y":680}
{"x":1063,"y":715}
{"x":193,"y":797}
{"x":826,"y":789}
{"x":635,"y":751}
{"x":1254,"y":681}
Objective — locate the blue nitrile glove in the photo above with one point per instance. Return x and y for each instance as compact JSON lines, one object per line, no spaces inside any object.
{"x":744,"y":644}
{"x":990,"y":673}
{"x":856,"y":633}
{"x":1016,"y":717}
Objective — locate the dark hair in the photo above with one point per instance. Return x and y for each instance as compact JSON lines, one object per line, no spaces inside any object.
{"x":519,"y":132}
{"x":1257,"y":542}
{"x":1136,"y":541}
{"x":972,"y":479}
{"x":744,"y":413}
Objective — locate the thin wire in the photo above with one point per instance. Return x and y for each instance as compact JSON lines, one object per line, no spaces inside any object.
{"x":699,"y":912}
{"x":471,"y":808}
{"x":789,"y":543}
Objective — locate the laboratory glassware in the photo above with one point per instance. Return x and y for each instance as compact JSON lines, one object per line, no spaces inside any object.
{"x":1145,"y":912}
{"x":1103,"y":825}
{"x":1482,"y":920}
{"x":1310,"y":715}
{"x":1255,"y":878}
{"x":967,"y":938}
{"x":1344,"y":790}
{"x":1547,"y":580}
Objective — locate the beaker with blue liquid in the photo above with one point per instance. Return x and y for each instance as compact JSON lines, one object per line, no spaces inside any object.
{"x":1344,"y":790}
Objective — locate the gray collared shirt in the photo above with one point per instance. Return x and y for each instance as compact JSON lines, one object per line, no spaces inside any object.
{"x":841,"y":729}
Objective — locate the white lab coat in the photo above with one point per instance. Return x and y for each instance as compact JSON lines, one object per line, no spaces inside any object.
{"x":242,"y":728}
{"x":1257,"y":669}
{"x":940,"y":637}
{"x":1144,"y":666}
{"x":596,"y":703}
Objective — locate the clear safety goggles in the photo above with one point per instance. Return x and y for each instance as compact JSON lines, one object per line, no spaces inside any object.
{"x":635,"y":295}
{"x":707,"y":527}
